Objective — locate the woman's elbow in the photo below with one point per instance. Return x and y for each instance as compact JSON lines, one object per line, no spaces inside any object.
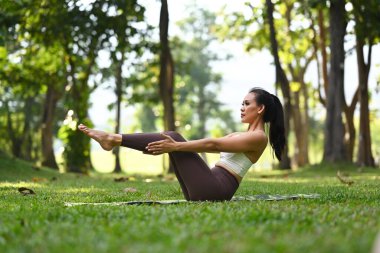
{"x":213,"y":145}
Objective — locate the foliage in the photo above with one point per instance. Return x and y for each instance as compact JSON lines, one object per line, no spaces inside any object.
{"x":197,"y":85}
{"x":58,"y":43}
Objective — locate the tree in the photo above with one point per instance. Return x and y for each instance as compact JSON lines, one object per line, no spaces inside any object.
{"x":334,"y":148}
{"x":197,"y":85}
{"x":81,"y":30}
{"x":38,"y":72}
{"x":320,"y":41}
{"x":130,"y":44}
{"x":166,"y":80}
{"x":367,"y":32}
{"x":289,"y":38}
{"x":281,"y":79}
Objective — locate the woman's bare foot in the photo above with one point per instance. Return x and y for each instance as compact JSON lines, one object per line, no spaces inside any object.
{"x":107,"y":141}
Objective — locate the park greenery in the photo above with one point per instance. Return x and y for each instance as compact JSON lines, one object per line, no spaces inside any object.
{"x":55,"y":54}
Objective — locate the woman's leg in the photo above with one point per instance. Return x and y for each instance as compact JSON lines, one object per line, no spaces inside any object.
{"x":139,"y":141}
{"x":196,"y":179}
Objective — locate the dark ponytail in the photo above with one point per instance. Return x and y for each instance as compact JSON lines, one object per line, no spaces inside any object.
{"x":274,"y":114}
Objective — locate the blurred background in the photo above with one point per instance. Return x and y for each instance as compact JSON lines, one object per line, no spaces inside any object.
{"x":129,"y":66}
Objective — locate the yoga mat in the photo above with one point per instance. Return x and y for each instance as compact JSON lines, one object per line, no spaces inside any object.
{"x":266,"y":197}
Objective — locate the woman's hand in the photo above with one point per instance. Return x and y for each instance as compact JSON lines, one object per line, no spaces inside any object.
{"x":164,"y":146}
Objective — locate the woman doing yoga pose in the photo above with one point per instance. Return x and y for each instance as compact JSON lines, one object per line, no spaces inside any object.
{"x":238,"y":151}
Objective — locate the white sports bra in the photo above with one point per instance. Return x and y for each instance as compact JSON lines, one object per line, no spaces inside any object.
{"x":236,"y":162}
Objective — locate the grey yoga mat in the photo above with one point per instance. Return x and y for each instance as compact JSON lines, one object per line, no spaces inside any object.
{"x":267,"y":197}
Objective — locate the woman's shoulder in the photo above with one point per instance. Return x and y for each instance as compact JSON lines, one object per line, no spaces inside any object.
{"x":233,"y":134}
{"x":257,"y":136}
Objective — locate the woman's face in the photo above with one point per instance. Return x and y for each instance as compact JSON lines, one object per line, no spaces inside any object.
{"x":249,"y":109}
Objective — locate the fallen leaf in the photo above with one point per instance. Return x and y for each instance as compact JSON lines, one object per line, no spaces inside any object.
{"x":39,"y":179}
{"x":344,"y":179}
{"x":25,"y":191}
{"x":130,"y":189}
{"x":121,"y":179}
{"x":167,"y":178}
{"x":148,"y":180}
{"x":286,"y":175}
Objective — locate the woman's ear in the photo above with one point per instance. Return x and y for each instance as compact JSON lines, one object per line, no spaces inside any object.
{"x":261,"y":109}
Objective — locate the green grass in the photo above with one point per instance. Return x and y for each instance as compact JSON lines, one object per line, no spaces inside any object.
{"x":344,"y":219}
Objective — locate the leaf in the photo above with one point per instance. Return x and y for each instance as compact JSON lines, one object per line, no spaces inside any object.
{"x":168,"y":178}
{"x":25,"y":191}
{"x":39,"y":179}
{"x":121,"y":179}
{"x":129,"y":189}
{"x":344,"y":179}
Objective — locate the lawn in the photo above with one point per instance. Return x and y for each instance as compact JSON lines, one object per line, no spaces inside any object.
{"x":344,"y":219}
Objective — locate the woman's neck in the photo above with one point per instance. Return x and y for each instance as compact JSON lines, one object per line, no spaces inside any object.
{"x":257,"y":125}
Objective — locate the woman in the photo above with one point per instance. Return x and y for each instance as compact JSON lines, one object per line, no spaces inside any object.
{"x":238,"y":150}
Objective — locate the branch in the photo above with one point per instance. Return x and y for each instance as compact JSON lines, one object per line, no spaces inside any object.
{"x":355,"y":100}
{"x":291,"y":69}
{"x":321,"y":99}
{"x":369,"y":57}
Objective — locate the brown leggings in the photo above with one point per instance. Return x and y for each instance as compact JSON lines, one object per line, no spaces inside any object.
{"x":197,"y":181}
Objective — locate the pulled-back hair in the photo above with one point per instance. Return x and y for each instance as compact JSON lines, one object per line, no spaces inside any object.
{"x":274,"y":114}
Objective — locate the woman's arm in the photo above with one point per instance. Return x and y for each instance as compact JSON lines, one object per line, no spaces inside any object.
{"x":243,"y":142}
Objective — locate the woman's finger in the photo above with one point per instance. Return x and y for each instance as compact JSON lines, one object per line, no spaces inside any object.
{"x":155,"y":143}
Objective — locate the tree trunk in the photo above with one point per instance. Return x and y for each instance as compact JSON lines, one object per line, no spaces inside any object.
{"x":300,"y":119}
{"x":78,"y":157}
{"x":322,"y":42}
{"x":298,"y":127}
{"x":283,"y":81}
{"x":20,"y":148}
{"x":166,"y":70}
{"x":302,"y":129}
{"x":78,"y":151}
{"x":118,"y":92}
{"x":16,"y":141}
{"x":318,"y":62}
{"x":348,"y":109}
{"x":365,"y":157}
{"x":166,"y":82}
{"x":26,"y":136}
{"x":305,"y":147}
{"x":350,"y":127}
{"x":50,"y":104}
{"x":334,"y":148}
{"x":202,"y":117}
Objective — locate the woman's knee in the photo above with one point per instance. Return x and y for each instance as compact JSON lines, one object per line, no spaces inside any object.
{"x":175,"y":135}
